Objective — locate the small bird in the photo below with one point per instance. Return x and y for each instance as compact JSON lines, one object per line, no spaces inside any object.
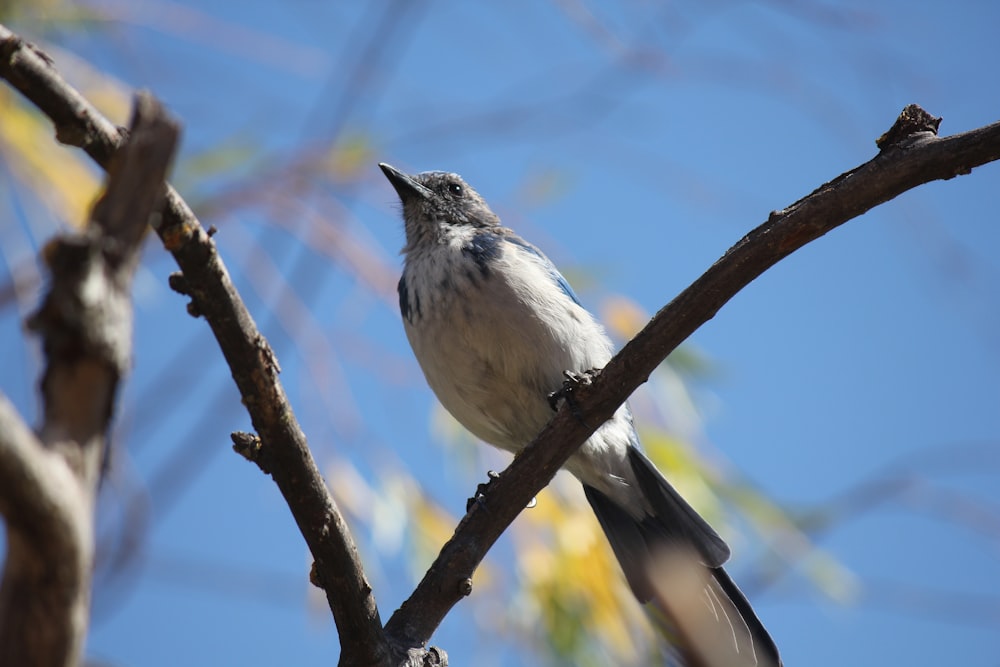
{"x":495,"y":327}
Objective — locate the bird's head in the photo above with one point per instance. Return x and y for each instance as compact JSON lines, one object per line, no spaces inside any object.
{"x":435,"y":200}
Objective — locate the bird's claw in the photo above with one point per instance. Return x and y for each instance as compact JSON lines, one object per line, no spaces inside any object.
{"x":479,"y":497}
{"x":573,"y":381}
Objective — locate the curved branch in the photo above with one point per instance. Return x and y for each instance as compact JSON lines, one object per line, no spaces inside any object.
{"x":252,"y":363}
{"x":911,"y":154}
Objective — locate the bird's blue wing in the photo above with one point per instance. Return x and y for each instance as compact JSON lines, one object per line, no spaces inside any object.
{"x":557,"y":277}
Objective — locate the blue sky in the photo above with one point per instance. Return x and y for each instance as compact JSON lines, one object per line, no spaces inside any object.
{"x":634,"y":142}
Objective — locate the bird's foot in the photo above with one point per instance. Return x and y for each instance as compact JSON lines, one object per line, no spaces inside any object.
{"x":479,"y":498}
{"x":572,"y":382}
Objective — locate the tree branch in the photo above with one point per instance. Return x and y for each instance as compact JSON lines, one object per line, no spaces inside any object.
{"x":48,"y":484}
{"x":253,"y":365}
{"x":911,"y":154}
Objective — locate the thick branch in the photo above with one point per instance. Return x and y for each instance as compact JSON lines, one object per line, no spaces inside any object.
{"x":43,"y":600}
{"x":906,"y":161}
{"x":251,"y":361}
{"x":48,"y":485}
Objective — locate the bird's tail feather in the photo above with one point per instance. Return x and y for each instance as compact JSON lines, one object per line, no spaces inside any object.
{"x":674,"y":524}
{"x":673,"y":520}
{"x":763,"y":644}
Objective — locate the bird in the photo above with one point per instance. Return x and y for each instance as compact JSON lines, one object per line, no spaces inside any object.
{"x":495,"y":327}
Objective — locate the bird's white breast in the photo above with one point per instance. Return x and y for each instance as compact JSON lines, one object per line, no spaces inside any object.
{"x":493,"y":342}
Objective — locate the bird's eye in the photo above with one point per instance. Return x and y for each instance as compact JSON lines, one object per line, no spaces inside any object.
{"x":455,"y":189}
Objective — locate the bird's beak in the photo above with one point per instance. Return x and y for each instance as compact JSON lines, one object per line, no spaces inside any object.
{"x":405,"y":186}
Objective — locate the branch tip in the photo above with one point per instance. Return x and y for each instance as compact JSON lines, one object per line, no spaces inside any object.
{"x":912,"y":120}
{"x":314,"y":577}
{"x":178,"y":283}
{"x":249,"y":446}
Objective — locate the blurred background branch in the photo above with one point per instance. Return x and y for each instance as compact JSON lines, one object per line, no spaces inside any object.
{"x":49,"y":484}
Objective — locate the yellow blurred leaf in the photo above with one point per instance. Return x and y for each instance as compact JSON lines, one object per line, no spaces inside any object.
{"x":623,"y":317}
{"x":224,"y":157}
{"x":832,"y":578}
{"x":686,"y":470}
{"x":61,"y":178}
{"x":57,"y":176}
{"x":572,"y":577}
{"x":350,"y":156}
